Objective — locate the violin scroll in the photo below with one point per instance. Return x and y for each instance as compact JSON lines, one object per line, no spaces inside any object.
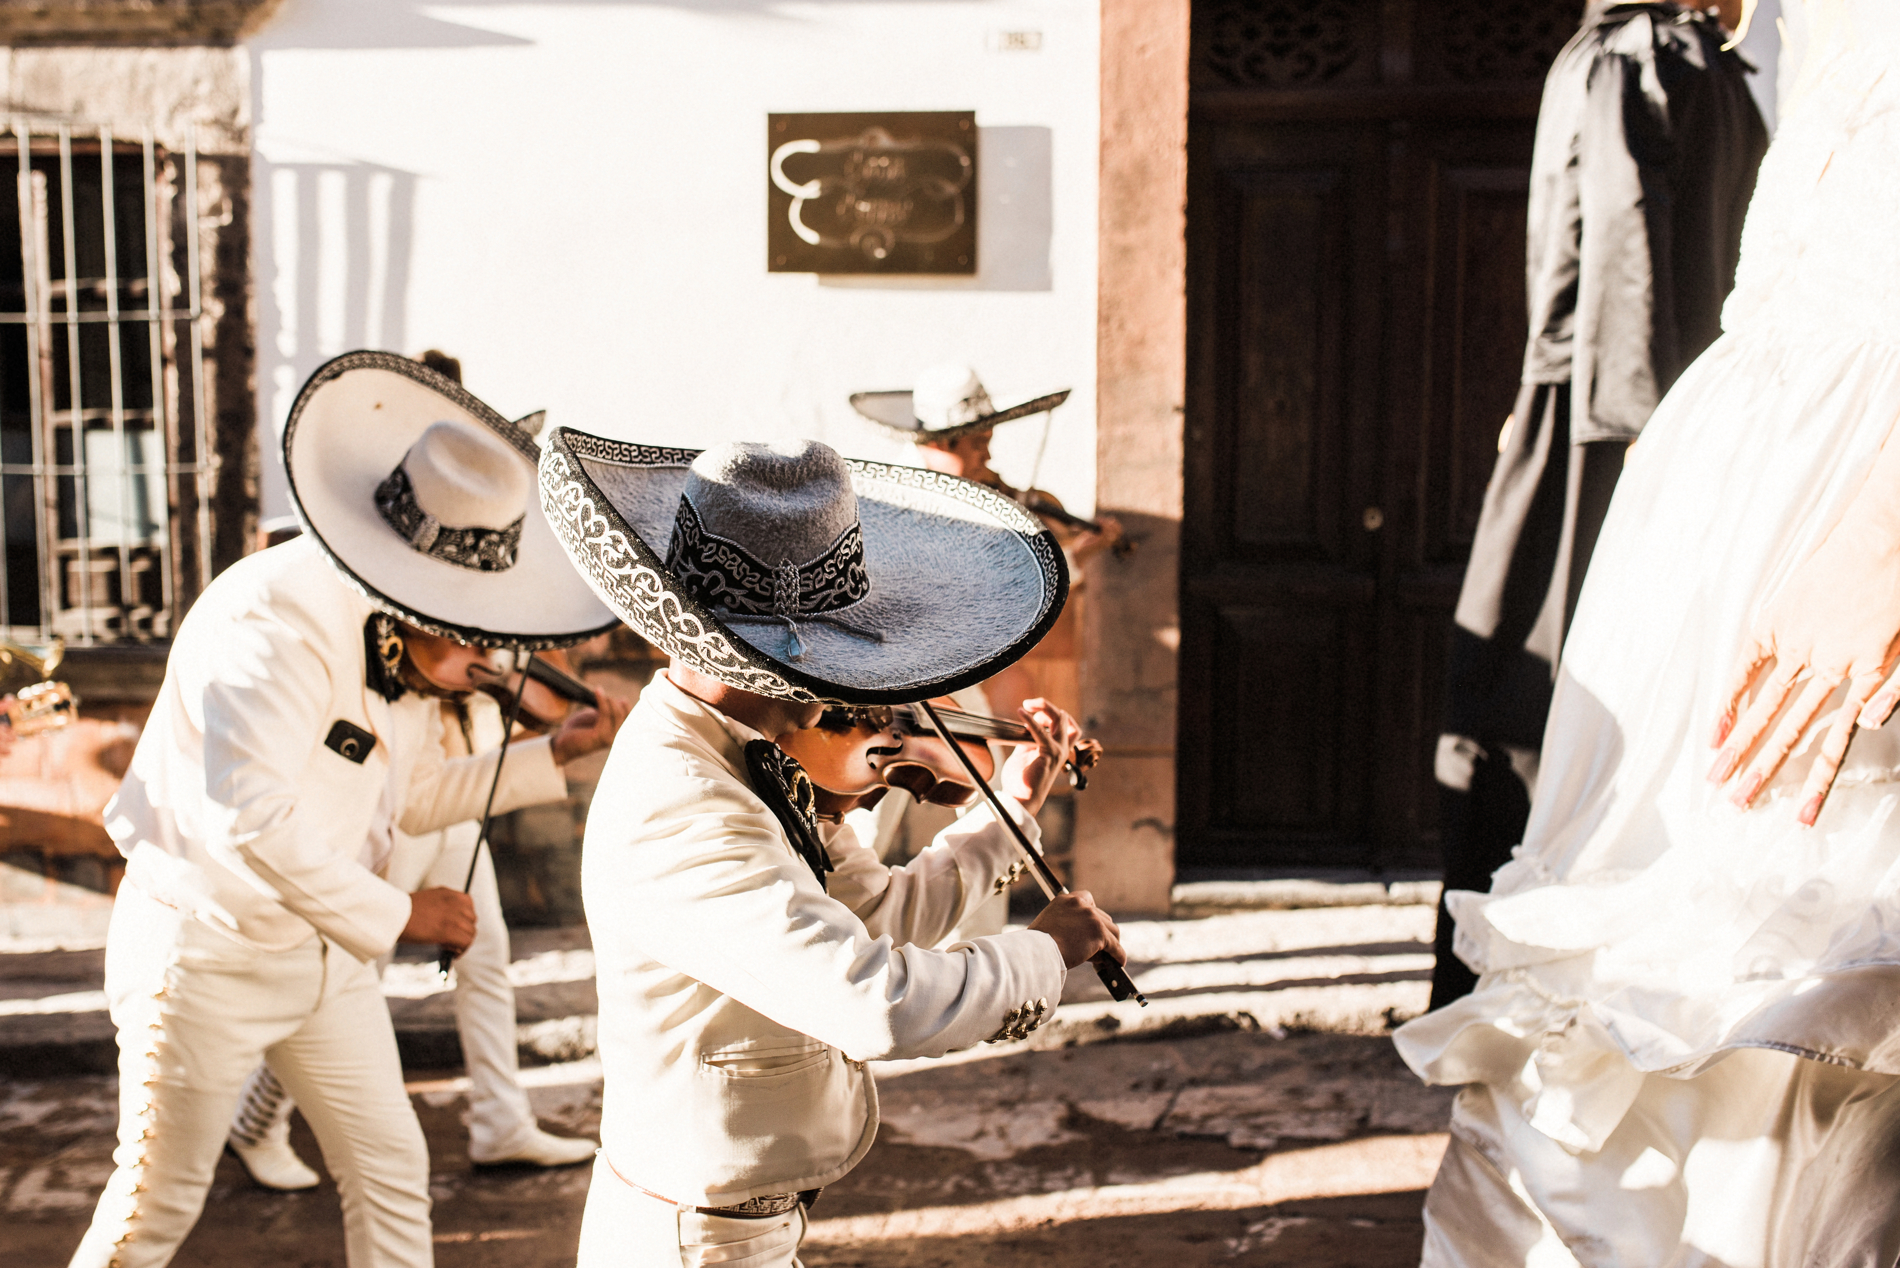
{"x":1082,"y":759}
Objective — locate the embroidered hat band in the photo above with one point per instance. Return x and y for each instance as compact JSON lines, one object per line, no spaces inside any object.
{"x":772,"y":500}
{"x":451,"y":497}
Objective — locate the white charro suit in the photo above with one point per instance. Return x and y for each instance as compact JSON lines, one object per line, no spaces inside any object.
{"x":251,"y":907}
{"x":739,"y":1001}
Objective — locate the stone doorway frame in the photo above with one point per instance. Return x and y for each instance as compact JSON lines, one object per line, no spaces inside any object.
{"x":1124,"y":837}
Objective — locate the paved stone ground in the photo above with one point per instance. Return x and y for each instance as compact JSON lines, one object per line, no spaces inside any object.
{"x":1254,"y":1115}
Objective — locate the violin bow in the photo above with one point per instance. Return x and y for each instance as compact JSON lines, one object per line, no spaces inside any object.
{"x":447,"y":957}
{"x":1114,"y":976}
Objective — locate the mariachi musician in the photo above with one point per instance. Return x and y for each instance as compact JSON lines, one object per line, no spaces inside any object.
{"x":950,"y":417}
{"x":296,"y":731}
{"x":502,"y":1130}
{"x":747,"y":966}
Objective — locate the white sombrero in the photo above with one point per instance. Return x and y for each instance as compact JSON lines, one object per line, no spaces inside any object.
{"x":423,"y":498}
{"x":947,"y":401}
{"x":788,"y":571}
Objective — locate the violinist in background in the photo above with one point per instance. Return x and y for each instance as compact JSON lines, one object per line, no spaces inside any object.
{"x":950,"y":417}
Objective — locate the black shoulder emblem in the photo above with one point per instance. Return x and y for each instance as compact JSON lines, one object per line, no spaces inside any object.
{"x":349,"y":741}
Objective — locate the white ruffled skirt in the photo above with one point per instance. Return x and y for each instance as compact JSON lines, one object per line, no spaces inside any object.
{"x":1682,"y":1047}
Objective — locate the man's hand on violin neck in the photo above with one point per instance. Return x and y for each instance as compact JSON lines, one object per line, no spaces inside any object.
{"x":443,"y":916}
{"x":1081,"y":929}
{"x":1032,"y":771}
{"x":588,"y":730}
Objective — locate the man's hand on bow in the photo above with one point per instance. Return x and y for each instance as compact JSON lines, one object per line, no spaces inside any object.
{"x":1081,"y":929}
{"x":443,"y":916}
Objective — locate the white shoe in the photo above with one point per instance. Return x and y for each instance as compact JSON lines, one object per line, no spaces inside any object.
{"x":275,"y":1165}
{"x":541,"y":1149}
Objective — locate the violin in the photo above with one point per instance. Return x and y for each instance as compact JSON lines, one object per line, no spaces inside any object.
{"x":853,"y":755}
{"x":548,"y":694}
{"x":1043,"y":506}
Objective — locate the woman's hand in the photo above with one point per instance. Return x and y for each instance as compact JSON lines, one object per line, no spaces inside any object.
{"x":1031,"y":772}
{"x":1836,"y":621}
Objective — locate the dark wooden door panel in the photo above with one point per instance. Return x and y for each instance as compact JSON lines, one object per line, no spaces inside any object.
{"x":1279,"y":572}
{"x":1355,"y":329}
{"x":1285,"y":363}
{"x":1283,"y":215}
{"x":1292,"y":698}
{"x":1465,"y":189}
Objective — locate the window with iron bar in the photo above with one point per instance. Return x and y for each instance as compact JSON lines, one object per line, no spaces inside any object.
{"x":104,"y":508}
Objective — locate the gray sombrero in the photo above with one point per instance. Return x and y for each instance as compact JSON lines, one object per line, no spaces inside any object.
{"x":423,"y":498}
{"x":789,"y":571}
{"x":948,"y":400}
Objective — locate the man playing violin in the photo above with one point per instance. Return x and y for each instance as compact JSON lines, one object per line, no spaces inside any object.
{"x":751,"y":960}
{"x":950,"y":418}
{"x":296,"y":731}
{"x":473,"y":700}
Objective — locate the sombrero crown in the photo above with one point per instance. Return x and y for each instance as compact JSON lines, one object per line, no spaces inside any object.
{"x":423,"y":498}
{"x":788,"y":571}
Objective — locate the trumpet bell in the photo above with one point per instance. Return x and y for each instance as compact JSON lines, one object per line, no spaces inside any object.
{"x":37,"y":659}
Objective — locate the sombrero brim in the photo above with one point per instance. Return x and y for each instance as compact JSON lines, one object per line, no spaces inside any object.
{"x":895,"y":411}
{"x":963,"y":580}
{"x":351,"y":424}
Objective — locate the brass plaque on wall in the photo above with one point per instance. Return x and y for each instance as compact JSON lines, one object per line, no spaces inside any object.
{"x":872,"y":193}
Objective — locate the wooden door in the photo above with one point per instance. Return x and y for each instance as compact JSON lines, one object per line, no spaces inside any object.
{"x":1356,"y":194}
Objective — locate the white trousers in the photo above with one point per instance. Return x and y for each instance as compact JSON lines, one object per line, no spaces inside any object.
{"x":626,"y":1228}
{"x":196,"y":1011}
{"x":500,"y":1120}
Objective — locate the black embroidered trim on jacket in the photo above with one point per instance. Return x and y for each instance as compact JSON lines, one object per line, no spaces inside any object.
{"x":382,"y":656}
{"x":724,"y":574}
{"x":482,"y":549}
{"x":782,"y":784}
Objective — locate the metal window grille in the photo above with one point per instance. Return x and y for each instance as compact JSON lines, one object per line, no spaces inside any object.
{"x":104,"y":502}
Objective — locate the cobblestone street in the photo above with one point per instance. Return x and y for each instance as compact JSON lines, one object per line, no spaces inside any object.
{"x":1255,"y":1115}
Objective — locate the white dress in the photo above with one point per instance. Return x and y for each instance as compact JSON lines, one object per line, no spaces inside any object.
{"x":1684,"y":1047}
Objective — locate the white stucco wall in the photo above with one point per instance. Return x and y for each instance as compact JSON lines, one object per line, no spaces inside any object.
{"x":571,"y":197}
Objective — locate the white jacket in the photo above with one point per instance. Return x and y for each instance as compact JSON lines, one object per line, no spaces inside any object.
{"x":739,"y":1001}
{"x":237,"y":811}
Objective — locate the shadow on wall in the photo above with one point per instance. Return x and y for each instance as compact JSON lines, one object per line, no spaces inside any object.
{"x":341,"y":237}
{"x":1015,"y":219}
